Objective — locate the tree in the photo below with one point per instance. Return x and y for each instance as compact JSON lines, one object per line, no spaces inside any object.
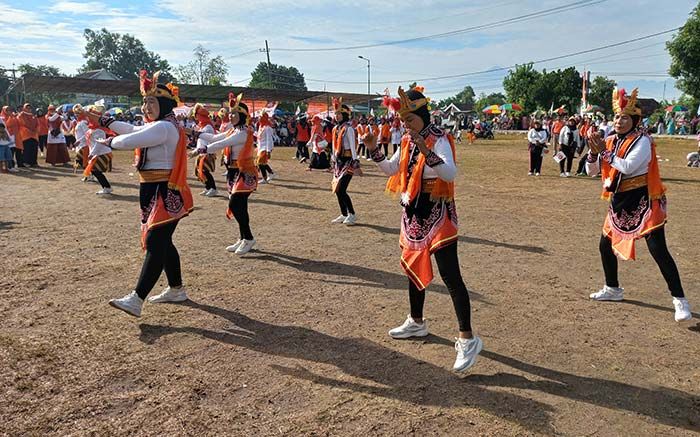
{"x":560,"y":87}
{"x":601,"y":93}
{"x":487,"y":100}
{"x":122,"y":55}
{"x":277,"y":77}
{"x":685,"y":56}
{"x":39,"y":70}
{"x":464,"y":97}
{"x":203,"y":69}
{"x":520,"y":85}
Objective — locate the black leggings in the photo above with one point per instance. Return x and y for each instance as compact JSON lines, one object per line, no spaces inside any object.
{"x":448,"y":265}
{"x":569,"y":151}
{"x":19,"y":157}
{"x":265,"y":169}
{"x":238,"y":204}
{"x":361,"y":149}
{"x":101,"y":178}
{"x":536,"y":159}
{"x":656,"y":242}
{"x":161,"y":254}
{"x":302,"y":150}
{"x":344,"y":200}
{"x":209,"y":182}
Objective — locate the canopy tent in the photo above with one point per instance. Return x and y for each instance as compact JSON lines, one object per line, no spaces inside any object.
{"x":188,"y":93}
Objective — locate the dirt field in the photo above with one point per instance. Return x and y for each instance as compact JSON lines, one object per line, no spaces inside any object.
{"x":292,"y":338}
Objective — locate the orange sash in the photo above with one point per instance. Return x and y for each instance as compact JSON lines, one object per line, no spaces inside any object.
{"x":611,"y":175}
{"x":338,"y":136}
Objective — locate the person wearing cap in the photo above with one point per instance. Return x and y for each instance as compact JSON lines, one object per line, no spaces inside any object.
{"x":160,"y":154}
{"x":345,"y":161}
{"x":56,"y":149}
{"x":637,"y":209}
{"x":29,"y":134}
{"x":242,"y":175}
{"x":422,"y":173}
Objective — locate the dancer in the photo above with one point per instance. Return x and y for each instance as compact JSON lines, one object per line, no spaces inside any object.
{"x":569,"y":141}
{"x":345,"y":162}
{"x":384,"y":134}
{"x":81,"y":147}
{"x":632,"y":184}
{"x":422,"y":173}
{"x":362,"y":130}
{"x":56,"y":150}
{"x":266,"y":142}
{"x":205,"y":164}
{"x":397,"y":132}
{"x":161,"y":159}
{"x":242,"y":175}
{"x":318,"y":143}
{"x":303,"y":134}
{"x":99,"y":155}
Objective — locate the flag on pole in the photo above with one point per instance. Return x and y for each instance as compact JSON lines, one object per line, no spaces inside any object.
{"x":371,"y":112}
{"x":551,"y":109}
{"x":298,"y":111}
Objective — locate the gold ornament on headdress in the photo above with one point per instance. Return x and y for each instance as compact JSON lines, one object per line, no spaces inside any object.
{"x":234,"y":103}
{"x":338,"y":105}
{"x":624,"y":105}
{"x":149,"y":87}
{"x":408,"y":105}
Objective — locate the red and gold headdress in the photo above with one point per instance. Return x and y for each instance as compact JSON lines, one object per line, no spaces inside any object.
{"x":149,"y":87}
{"x":338,"y":106}
{"x":404,"y":105}
{"x":234,"y":103}
{"x":624,"y":105}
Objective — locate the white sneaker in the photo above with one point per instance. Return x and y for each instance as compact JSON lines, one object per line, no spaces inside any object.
{"x":562,"y":175}
{"x":13,"y":170}
{"x":130,"y":304}
{"x":270,"y":177}
{"x":410,"y":329}
{"x":170,"y":295}
{"x":350,"y":220}
{"x":212,"y":193}
{"x":204,"y":192}
{"x":568,"y":175}
{"x":608,"y":293}
{"x":467,"y":351}
{"x":234,"y":247}
{"x":105,"y":191}
{"x":245,"y":247}
{"x":262,"y":181}
{"x":682,"y":309}
{"x":529,"y":173}
{"x":537,"y":174}
{"x":339,"y":219}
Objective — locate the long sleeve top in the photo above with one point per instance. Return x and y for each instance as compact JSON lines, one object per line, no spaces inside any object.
{"x":349,"y":140}
{"x":636,"y":163}
{"x":564,"y":137}
{"x":266,"y":139}
{"x":396,"y":134}
{"x":80,"y":130}
{"x":446,"y":170}
{"x":235,"y":139}
{"x":537,"y":137}
{"x":159,"y":137}
{"x":201,"y":142}
{"x":96,"y":148}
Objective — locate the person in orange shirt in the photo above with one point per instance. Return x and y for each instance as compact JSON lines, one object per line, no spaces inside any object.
{"x":43,"y":130}
{"x":29,"y":133}
{"x":303,"y":136}
{"x":384,"y":134}
{"x":557,"y":126}
{"x":9,"y":117}
{"x":362,"y":130}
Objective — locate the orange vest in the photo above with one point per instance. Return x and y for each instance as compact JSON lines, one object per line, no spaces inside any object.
{"x":611,"y":175}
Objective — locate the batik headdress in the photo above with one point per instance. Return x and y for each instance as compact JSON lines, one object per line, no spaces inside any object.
{"x":338,"y":105}
{"x":149,"y":87}
{"x":624,"y":105}
{"x":404,"y":105}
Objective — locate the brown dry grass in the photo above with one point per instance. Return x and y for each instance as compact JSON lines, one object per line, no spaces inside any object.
{"x":291,"y":339}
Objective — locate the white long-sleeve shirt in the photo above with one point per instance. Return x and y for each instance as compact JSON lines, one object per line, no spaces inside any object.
{"x":80,"y":130}
{"x":266,"y":139}
{"x":535,"y":137}
{"x":208,"y":129}
{"x":235,"y":139}
{"x":445,"y":171}
{"x":349,"y":141}
{"x":635,"y":164}
{"x":159,"y":137}
{"x":397,"y":134}
{"x":97,"y":148}
{"x":564,"y":137}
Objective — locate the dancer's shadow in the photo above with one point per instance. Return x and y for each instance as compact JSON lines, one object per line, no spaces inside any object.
{"x":285,"y":204}
{"x":669,"y":406}
{"x":7,"y":226}
{"x":34,"y":175}
{"x":463,"y":239}
{"x":122,"y":197}
{"x":681,"y":180}
{"x":365,"y":276}
{"x":376,"y":370}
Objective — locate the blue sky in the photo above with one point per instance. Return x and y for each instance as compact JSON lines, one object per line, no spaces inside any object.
{"x":43,"y":32}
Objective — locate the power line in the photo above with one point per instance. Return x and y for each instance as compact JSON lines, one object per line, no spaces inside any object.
{"x":546,"y":12}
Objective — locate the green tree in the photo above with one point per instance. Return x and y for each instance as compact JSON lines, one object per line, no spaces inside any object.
{"x":601,"y":93}
{"x":122,"y":55}
{"x":39,"y":70}
{"x":203,"y":69}
{"x":485,"y":100}
{"x":560,"y":87}
{"x":685,"y":55}
{"x":277,"y":77}
{"x":464,"y":97}
{"x":520,"y":86}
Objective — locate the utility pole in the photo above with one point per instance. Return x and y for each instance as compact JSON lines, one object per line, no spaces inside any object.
{"x":664,"y":97}
{"x":269,"y":65}
{"x":369,"y":98}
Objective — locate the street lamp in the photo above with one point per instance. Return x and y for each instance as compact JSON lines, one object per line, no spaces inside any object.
{"x":369,"y":99}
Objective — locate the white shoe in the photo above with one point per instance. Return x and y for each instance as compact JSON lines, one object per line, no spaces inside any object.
{"x":270,"y":176}
{"x":234,"y":247}
{"x":204,"y":192}
{"x":529,"y":173}
{"x":130,"y":304}
{"x":562,"y":175}
{"x":568,"y":175}
{"x":212,"y":193}
{"x":537,"y":174}
{"x":608,"y":293}
{"x":467,"y":351}
{"x":682,"y":309}
{"x":339,"y":219}
{"x":105,"y":191}
{"x":350,"y":220}
{"x":170,"y":295}
{"x":13,"y":170}
{"x":262,"y":181}
{"x":245,"y":247}
{"x":410,"y":329}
